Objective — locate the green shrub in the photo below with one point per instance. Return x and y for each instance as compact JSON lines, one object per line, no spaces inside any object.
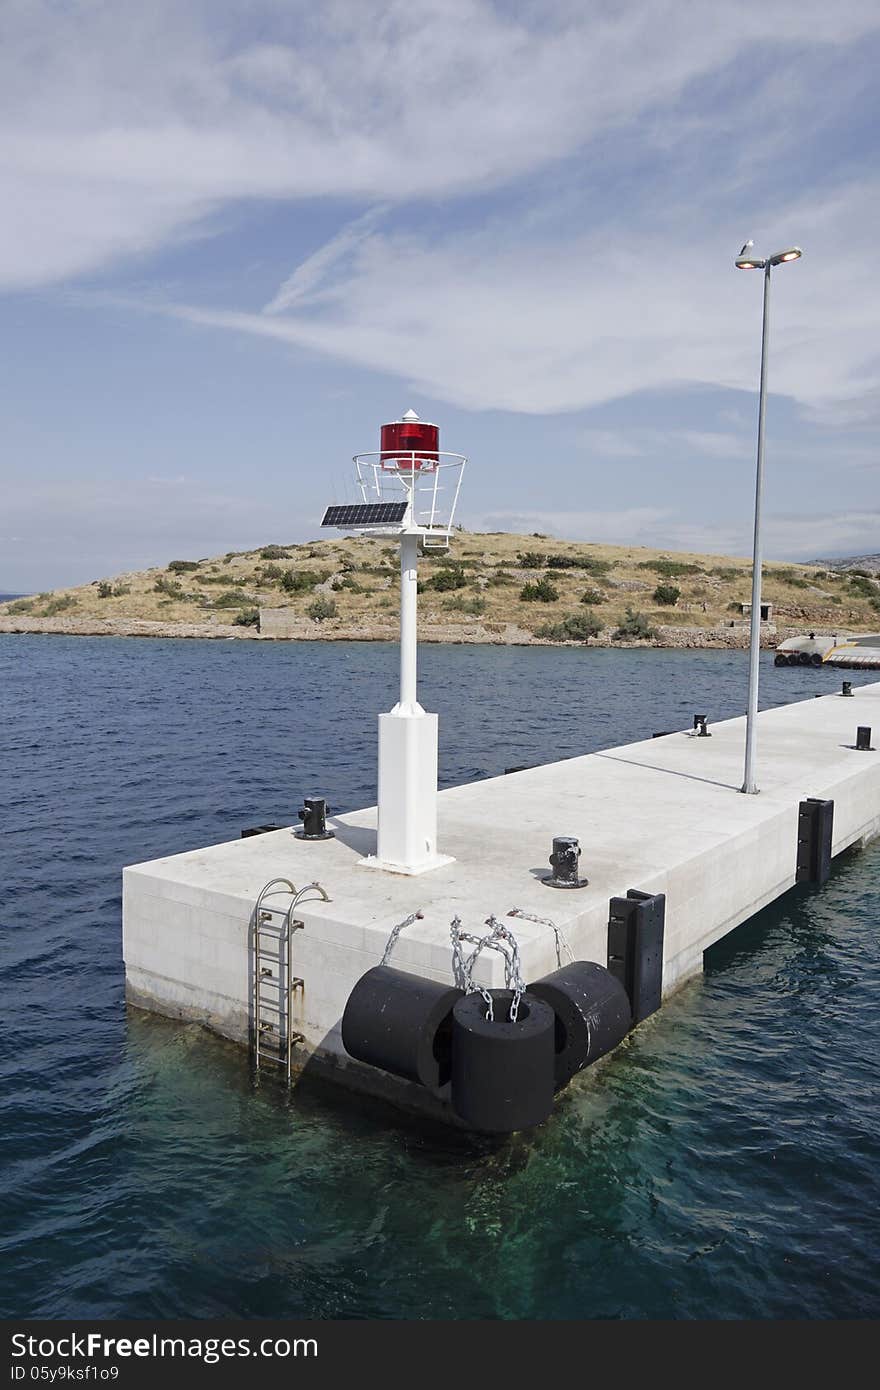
{"x":232,"y":598}
{"x":667,"y":595}
{"x":542,"y":592}
{"x":182,"y":566}
{"x":789,"y":576}
{"x":533,"y":560}
{"x":21,"y":605}
{"x":59,"y":605}
{"x":105,"y":589}
{"x":120,"y":590}
{"x":346,"y":582}
{"x":321,"y":609}
{"x":633,"y":627}
{"x":248,"y":617}
{"x":500,"y":578}
{"x":164,"y":585}
{"x":859,"y":583}
{"x":672,"y":569}
{"x":592,"y":596}
{"x":270,"y":573}
{"x":577,"y":627}
{"x":460,"y":604}
{"x":301,"y":581}
{"x":728,"y":572}
{"x":449,"y":578}
{"x":274,"y":552}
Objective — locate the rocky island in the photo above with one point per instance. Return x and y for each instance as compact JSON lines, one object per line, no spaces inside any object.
{"x":489,"y":587}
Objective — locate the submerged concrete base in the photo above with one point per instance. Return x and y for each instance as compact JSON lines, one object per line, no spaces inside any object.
{"x":664,"y":816}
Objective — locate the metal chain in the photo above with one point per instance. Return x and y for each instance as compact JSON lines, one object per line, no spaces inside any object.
{"x":500,"y":939}
{"x":561,"y":943}
{"x":395,"y":933}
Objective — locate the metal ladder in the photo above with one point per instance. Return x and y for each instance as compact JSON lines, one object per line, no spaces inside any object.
{"x":274,"y":983}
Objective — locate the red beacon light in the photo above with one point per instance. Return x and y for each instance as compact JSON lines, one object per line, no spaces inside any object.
{"x":409,"y":443}
{"x":409,"y":485}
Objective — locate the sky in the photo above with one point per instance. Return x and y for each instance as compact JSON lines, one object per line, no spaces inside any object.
{"x":238,"y":235}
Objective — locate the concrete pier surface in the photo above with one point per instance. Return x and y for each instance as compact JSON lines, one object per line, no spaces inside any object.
{"x":664,"y":815}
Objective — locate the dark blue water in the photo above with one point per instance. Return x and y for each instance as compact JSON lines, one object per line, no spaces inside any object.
{"x":724,"y":1162}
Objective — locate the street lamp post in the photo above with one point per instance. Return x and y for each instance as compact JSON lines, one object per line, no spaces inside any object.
{"x":746,"y":261}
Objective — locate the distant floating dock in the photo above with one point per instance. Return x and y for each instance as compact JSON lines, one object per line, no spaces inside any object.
{"x":661,"y":816}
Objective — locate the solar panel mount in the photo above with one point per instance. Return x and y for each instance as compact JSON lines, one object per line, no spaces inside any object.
{"x":366,"y":514}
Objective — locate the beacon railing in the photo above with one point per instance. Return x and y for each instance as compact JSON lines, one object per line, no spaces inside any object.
{"x":429,"y":482}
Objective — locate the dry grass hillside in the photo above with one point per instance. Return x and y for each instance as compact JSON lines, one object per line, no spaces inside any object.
{"x":491,"y":587}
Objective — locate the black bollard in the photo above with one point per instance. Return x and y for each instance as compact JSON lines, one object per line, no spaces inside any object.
{"x":863,"y":739}
{"x":564,"y":862}
{"x":313,"y":815}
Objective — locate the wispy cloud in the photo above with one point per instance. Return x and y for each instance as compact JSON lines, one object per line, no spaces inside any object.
{"x":567,"y":322}
{"x":122,"y":125}
{"x":632,"y":442}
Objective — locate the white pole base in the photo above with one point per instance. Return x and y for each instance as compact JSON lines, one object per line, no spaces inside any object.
{"x":407,"y":828}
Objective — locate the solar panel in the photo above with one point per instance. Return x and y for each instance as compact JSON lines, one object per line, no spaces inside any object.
{"x":365,"y":514}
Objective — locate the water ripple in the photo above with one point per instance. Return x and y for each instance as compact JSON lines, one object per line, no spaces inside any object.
{"x":724,"y":1163}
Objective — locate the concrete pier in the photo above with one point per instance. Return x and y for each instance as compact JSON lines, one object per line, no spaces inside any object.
{"x":664,"y":815}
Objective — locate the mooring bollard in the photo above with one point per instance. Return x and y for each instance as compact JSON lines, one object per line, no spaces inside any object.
{"x":564,"y":862}
{"x":313,"y":814}
{"x":863,"y":739}
{"x":847,"y":688}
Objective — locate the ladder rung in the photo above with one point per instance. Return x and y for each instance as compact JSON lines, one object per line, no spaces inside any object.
{"x":273,"y":927}
{"x":294,"y":1038}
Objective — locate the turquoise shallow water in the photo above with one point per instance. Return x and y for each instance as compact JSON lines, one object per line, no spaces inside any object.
{"x":724,"y":1162}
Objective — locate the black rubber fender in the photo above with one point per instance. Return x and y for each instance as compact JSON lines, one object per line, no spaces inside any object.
{"x":502,"y":1072}
{"x":780,"y":659}
{"x":592,"y":1012}
{"x":401,"y":1023}
{"x":816,"y":659}
{"x":793,"y":659}
{"x":804,"y":658}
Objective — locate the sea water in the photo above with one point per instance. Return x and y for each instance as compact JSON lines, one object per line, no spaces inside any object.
{"x":723,"y":1162}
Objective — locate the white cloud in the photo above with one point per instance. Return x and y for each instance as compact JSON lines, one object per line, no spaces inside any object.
{"x":635,"y":442}
{"x":123,"y":125}
{"x":485,"y":320}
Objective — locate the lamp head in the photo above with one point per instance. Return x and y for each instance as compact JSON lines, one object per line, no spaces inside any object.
{"x":792,"y":253}
{"x":749,"y":262}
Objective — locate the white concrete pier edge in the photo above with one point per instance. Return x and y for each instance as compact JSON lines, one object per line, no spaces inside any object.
{"x":661,"y":815}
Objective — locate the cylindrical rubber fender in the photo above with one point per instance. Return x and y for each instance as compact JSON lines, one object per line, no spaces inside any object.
{"x":816,"y":659}
{"x":401,"y":1023}
{"x":592,"y":1011}
{"x":502,"y":1072}
{"x":804,"y":658}
{"x":793,"y":659}
{"x":780,"y":659}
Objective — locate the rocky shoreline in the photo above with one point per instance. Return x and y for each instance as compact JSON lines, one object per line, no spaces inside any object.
{"x":510,"y":635}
